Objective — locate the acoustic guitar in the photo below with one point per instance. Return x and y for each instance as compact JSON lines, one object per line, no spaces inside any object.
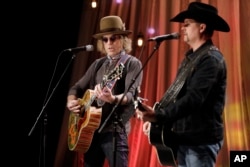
{"x":82,"y":125}
{"x":166,"y":150}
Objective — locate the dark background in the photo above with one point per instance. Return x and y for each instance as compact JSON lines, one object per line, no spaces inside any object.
{"x":36,"y":34}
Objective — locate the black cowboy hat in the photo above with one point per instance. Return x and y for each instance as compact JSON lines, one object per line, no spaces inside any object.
{"x":203,"y":13}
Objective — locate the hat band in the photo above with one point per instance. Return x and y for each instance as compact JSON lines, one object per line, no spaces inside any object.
{"x":110,"y":30}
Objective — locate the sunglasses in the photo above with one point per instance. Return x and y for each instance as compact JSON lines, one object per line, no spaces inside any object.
{"x":113,"y":38}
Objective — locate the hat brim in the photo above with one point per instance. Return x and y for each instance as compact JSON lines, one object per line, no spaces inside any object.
{"x":217,"y":22}
{"x":117,"y":32}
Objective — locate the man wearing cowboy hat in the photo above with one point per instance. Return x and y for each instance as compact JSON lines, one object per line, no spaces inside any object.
{"x":193,"y":116}
{"x":114,"y":44}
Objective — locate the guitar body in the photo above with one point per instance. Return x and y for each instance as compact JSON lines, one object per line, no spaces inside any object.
{"x":82,"y":125}
{"x":166,"y":149}
{"x":166,"y":152}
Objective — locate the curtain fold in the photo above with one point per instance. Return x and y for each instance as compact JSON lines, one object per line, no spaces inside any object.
{"x":159,"y":73}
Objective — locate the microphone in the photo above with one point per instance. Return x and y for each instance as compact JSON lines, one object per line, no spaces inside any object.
{"x":87,"y":48}
{"x":160,"y":38}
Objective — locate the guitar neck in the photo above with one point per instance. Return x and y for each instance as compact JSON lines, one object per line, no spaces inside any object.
{"x":87,"y":100}
{"x":92,"y":99}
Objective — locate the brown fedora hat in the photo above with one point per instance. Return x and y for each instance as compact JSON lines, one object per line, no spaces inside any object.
{"x":203,"y":13}
{"x":111,"y":25}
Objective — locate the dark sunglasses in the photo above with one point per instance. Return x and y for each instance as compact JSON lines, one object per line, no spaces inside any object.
{"x":112,"y":38}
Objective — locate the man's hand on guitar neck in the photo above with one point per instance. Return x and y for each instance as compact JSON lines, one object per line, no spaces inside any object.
{"x":147,"y":114}
{"x":104,"y":94}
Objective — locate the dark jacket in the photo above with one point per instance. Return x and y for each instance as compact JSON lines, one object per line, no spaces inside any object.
{"x":196,"y":113}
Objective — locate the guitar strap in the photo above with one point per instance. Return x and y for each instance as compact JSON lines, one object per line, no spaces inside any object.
{"x":122,"y":61}
{"x":171,"y":93}
{"x":111,"y":84}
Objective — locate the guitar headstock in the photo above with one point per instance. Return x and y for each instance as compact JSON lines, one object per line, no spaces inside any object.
{"x":114,"y":74}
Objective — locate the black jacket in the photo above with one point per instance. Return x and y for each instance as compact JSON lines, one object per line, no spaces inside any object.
{"x":196,"y":114}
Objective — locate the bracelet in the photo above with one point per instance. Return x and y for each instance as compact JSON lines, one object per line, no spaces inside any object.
{"x":116,"y":100}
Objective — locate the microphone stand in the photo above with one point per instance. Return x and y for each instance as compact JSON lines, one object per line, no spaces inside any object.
{"x":115,"y":122}
{"x":44,"y":132}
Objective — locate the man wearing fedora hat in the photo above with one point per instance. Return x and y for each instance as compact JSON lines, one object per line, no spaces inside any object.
{"x":190,"y":113}
{"x":114,"y":82}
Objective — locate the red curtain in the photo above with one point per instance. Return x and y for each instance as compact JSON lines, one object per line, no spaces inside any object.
{"x":141,"y":15}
